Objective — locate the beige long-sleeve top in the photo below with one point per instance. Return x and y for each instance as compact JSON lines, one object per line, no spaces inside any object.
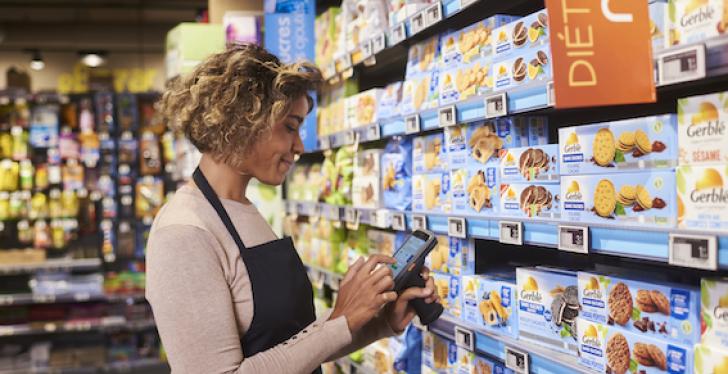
{"x":202,"y":300}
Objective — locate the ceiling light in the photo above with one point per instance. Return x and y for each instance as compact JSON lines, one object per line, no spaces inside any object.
{"x":36,"y":62}
{"x":93,"y":59}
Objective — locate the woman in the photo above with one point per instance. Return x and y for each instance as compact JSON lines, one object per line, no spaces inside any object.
{"x":227,"y":296}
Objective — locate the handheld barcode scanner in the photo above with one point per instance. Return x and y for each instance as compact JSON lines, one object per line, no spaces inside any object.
{"x":410,"y":259}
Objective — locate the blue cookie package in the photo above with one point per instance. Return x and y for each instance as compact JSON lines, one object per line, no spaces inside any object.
{"x":396,"y":169}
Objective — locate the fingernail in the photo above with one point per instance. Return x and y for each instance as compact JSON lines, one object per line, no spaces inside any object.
{"x":427,"y":292}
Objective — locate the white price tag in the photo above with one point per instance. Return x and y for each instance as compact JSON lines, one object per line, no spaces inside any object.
{"x":447,"y":116}
{"x":456,"y":227}
{"x":350,"y":214}
{"x":334,"y":213}
{"x":378,"y":43}
{"x":43,"y":299}
{"x":681,"y":65}
{"x":6,"y":299}
{"x":324,"y":143}
{"x":412,"y":124}
{"x":465,"y":338}
{"x":517,"y":360}
{"x":417,"y":23}
{"x":419,"y":222}
{"x":511,"y":232}
{"x":373,"y":132}
{"x":496,"y":105}
{"x":397,"y":34}
{"x":343,"y":62}
{"x":371,"y":61}
{"x":574,"y":239}
{"x":466,"y":3}
{"x":398,"y":221}
{"x":366,"y":49}
{"x":433,"y":14}
{"x":348,"y":73}
{"x":379,"y":218}
{"x":82,"y":296}
{"x":694,"y":251}
{"x":550,"y":95}
{"x":349,"y":137}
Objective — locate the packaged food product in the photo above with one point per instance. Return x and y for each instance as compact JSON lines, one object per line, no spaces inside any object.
{"x":548,"y":305}
{"x":530,"y":164}
{"x":702,"y":197}
{"x":431,"y":193}
{"x":439,"y":258}
{"x":714,"y":312}
{"x":607,"y":349}
{"x":538,"y":130}
{"x":461,"y":256}
{"x":388,"y":106}
{"x":658,"y":10}
{"x":526,"y":67}
{"x":695,"y":21}
{"x":429,"y":153}
{"x":637,"y":143}
{"x":484,"y":141}
{"x":327,"y":32}
{"x":448,"y":288}
{"x":702,"y":129}
{"x":475,"y":189}
{"x":662,"y":311}
{"x":466,"y":45}
{"x":438,"y":354}
{"x":420,"y":92}
{"x":361,"y":109}
{"x":529,"y":200}
{"x":645,"y":198}
{"x":460,"y":82}
{"x":423,"y":57}
{"x":396,"y":176}
{"x":366,"y":189}
{"x":490,"y":303}
{"x":522,"y":34}
{"x":709,"y":359}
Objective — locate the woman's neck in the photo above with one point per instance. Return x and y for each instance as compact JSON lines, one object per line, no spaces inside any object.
{"x":227,"y":182}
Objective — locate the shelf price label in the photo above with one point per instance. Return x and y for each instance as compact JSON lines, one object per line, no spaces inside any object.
{"x":366,"y":49}
{"x":465,"y":338}
{"x":398,"y":221}
{"x":447,"y":116}
{"x":574,"y":239}
{"x":419,"y":222}
{"x":550,"y":95}
{"x":379,"y":218}
{"x":343,"y":62}
{"x":397,"y":34}
{"x":496,"y":105}
{"x":324,"y":143}
{"x":373,"y":132}
{"x":694,"y":251}
{"x":510,"y":232}
{"x":456,"y":227}
{"x":6,"y":300}
{"x":417,"y":23}
{"x":681,"y":65}
{"x":517,"y":360}
{"x":334,"y":213}
{"x":378,"y":43}
{"x":466,"y":3}
{"x":412,"y":124}
{"x":352,"y":216}
{"x":433,"y":14}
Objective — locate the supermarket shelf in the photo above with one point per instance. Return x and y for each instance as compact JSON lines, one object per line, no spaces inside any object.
{"x":645,"y":243}
{"x":320,"y":276}
{"x":28,"y":299}
{"x":106,"y":324}
{"x":348,"y":366}
{"x":148,"y":365}
{"x":542,"y":360}
{"x":53,"y":264}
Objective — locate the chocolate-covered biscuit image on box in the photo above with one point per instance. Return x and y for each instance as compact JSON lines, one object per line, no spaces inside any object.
{"x":531,"y":164}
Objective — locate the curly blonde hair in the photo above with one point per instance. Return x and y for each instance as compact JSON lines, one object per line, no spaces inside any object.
{"x":231,"y":99}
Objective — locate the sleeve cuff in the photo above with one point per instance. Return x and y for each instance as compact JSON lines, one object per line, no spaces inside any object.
{"x":338,"y":330}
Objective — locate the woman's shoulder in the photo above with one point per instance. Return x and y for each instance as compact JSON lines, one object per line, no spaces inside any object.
{"x":184,"y":209}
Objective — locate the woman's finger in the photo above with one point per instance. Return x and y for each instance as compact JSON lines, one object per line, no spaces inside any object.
{"x":385,"y":283}
{"x":373,"y":261}
{"x":353,"y":270}
{"x":387,"y":297}
{"x":380,"y":273}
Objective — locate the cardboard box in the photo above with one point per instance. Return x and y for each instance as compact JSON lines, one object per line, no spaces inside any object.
{"x":530,"y":200}
{"x":475,"y":190}
{"x":526,"y":33}
{"x":380,"y":355}
{"x":540,"y":294}
{"x":423,"y":57}
{"x":449,"y":289}
{"x":612,"y":147}
{"x":429,"y":153}
{"x":658,"y":10}
{"x":696,"y":21}
{"x":702,"y":197}
{"x":714,"y":312}
{"x":637,"y":199}
{"x":660,"y":311}
{"x":366,"y":189}
{"x":607,"y":349}
{"x":431,"y":193}
{"x":420,"y":92}
{"x":490,"y":303}
{"x":468,"y":44}
{"x":710,"y":360}
{"x":484,"y":365}
{"x":438,"y":355}
{"x":702,"y":129}
{"x":461,"y":256}
{"x":456,"y":145}
{"x":384,"y":242}
{"x":528,"y":67}
{"x":396,"y":176}
{"x":439,"y":258}
{"x":538,"y":130}
{"x":461,"y":82}
{"x":484,"y":141}
{"x":531,"y":164}
{"x":389,"y":101}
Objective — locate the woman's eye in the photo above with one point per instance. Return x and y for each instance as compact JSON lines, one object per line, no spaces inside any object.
{"x":290,"y":128}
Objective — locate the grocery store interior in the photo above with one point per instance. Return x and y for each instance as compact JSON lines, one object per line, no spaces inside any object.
{"x":563,"y":162}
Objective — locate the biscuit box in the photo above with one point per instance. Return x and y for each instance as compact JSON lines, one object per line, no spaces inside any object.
{"x":529,"y":200}
{"x":423,"y":57}
{"x":644,"y":198}
{"x":548,"y":304}
{"x":490,"y":303}
{"x":482,"y":365}
{"x":658,"y":23}
{"x":420,"y":92}
{"x":431,"y":193}
{"x":448,"y":288}
{"x":538,"y":130}
{"x":464,"y":81}
{"x":379,"y":356}
{"x":608,"y":349}
{"x":438,"y":260}
{"x":695,"y":21}
{"x":526,"y":68}
{"x":384,"y":242}
{"x":637,"y":143}
{"x":531,"y":164}
{"x":468,"y":44}
{"x":475,"y":190}
{"x":710,"y":359}
{"x":429,"y":153}
{"x":702,"y":197}
{"x":703,"y":129}
{"x":660,"y":311}
{"x":461,"y":256}
{"x":396,"y":174}
{"x":439,"y":355}
{"x":714,"y":312}
{"x":389,"y":101}
{"x":483,"y":141}
{"x":523,"y":34}
{"x":366,"y":189}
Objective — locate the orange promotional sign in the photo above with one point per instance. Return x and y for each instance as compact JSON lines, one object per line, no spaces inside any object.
{"x":602,"y":52}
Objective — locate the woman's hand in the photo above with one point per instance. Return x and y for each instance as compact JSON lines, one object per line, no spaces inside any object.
{"x":364,"y":291}
{"x":400,"y":313}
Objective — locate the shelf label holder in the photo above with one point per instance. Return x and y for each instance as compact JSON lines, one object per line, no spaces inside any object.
{"x":681,"y":65}
{"x":496,"y":105}
{"x":448,"y":116}
{"x":510,"y":232}
{"x":412,"y":124}
{"x":456,"y":227}
{"x":574,"y":239}
{"x":419,"y":222}
{"x":517,"y":360}
{"x":694,"y":251}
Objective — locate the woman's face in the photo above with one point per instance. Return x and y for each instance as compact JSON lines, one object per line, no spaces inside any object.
{"x":272,"y":157}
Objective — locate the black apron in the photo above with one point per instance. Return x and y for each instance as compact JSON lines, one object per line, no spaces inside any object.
{"x":282,"y":292}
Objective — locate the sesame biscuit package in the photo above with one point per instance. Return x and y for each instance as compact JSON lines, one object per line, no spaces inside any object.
{"x":696,"y":20}
{"x":703,"y":129}
{"x":702,"y":197}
